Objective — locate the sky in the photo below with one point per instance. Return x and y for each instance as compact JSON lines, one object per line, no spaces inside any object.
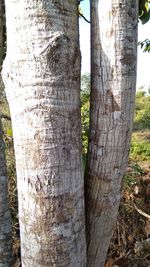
{"x":143,"y":66}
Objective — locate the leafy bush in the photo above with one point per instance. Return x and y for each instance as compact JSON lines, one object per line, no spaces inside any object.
{"x":142,"y":111}
{"x":140,"y":150}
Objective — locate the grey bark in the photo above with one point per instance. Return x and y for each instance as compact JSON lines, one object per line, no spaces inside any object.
{"x":113,"y":83}
{"x":42,"y":79}
{"x":1,"y":29}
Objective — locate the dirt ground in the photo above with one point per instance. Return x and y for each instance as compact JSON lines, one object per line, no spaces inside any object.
{"x":130,"y":243}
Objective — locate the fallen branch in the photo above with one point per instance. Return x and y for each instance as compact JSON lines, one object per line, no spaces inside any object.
{"x":139,"y":211}
{"x":142,"y":212}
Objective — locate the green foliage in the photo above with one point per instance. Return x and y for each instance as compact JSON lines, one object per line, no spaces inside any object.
{"x":140,"y":150}
{"x":4,"y":109}
{"x":142,"y":111}
{"x":85,"y":107}
{"x":129,"y":179}
{"x":137,"y":170}
{"x":145,"y":45}
{"x":144,"y":16}
{"x":9,"y":132}
{"x":144,"y":11}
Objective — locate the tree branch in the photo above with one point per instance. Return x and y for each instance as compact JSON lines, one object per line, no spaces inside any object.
{"x":81,"y":15}
{"x":6,"y":117}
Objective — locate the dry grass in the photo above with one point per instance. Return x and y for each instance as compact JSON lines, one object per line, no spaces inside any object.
{"x":131,"y":225}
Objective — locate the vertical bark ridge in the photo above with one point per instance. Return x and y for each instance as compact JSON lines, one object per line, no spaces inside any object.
{"x":113,"y":83}
{"x":1,"y":31}
{"x":42,"y":79}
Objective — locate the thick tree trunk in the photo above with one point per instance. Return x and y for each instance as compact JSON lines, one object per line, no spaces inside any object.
{"x":113,"y":71}
{"x":6,"y":254}
{"x":41,"y":74}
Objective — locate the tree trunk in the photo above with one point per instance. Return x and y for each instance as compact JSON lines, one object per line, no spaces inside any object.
{"x":113,"y":71}
{"x":6,"y":254}
{"x":42,"y":79}
{"x":1,"y":31}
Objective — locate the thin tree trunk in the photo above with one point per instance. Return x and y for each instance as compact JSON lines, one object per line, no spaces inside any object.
{"x":1,"y":31}
{"x":41,"y":74}
{"x":113,"y":71}
{"x":6,"y":254}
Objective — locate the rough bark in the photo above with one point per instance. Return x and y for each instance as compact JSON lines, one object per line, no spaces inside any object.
{"x":1,"y":31}
{"x":6,"y":254}
{"x":41,"y":73}
{"x":113,"y":83}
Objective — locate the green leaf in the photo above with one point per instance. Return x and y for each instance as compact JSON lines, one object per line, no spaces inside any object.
{"x":145,"y":17}
{"x":9,"y":132}
{"x":145,"y":45}
{"x":147,"y":6}
{"x":144,"y":11}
